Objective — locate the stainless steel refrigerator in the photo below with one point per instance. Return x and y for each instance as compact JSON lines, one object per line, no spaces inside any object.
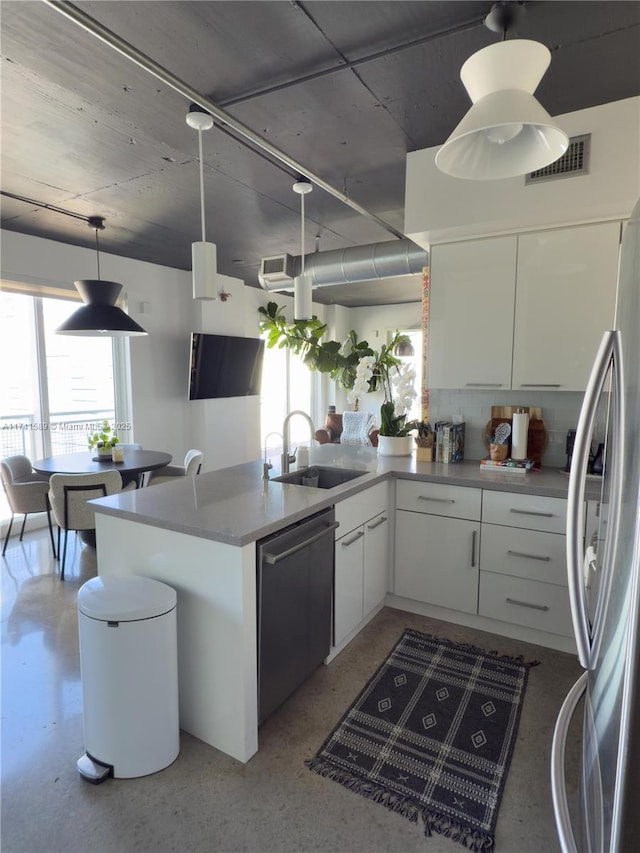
{"x":604,"y":588}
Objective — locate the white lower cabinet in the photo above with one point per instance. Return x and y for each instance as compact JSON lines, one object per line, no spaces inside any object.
{"x":437,"y":560}
{"x":503,"y":558}
{"x":348,"y":588}
{"x":436,"y":552}
{"x":376,"y":562}
{"x":361,"y":560}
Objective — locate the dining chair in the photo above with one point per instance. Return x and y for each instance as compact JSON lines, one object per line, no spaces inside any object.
{"x":68,"y":496}
{"x":192,"y":466}
{"x":26,"y":493}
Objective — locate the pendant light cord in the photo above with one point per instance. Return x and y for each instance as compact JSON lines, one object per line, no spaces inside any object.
{"x":98,"y":254}
{"x":201,"y":184}
{"x":302,"y":234}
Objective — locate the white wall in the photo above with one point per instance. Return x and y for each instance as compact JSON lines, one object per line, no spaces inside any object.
{"x":227,"y":429}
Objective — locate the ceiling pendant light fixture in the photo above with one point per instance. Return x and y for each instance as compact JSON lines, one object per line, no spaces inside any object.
{"x":204,"y":257}
{"x":99,"y":316}
{"x":302,"y":290}
{"x":506,"y":132}
{"x":404,"y":349}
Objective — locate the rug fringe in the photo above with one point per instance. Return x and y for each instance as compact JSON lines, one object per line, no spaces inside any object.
{"x":472,"y":839}
{"x":469,"y":647}
{"x":394,"y":802}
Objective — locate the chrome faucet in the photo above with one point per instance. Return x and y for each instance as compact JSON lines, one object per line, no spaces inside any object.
{"x":266,"y":465}
{"x":286,"y":459}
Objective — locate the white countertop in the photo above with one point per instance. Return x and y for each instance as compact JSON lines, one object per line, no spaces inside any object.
{"x":236,"y":506}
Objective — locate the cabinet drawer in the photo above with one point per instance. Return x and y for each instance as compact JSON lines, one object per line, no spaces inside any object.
{"x":354,"y":511}
{"x":533,"y":512}
{"x":528,"y":554}
{"x":544,"y":606}
{"x":439,"y":499}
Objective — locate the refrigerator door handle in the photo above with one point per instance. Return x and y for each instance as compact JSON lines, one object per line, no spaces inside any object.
{"x":616,"y":466}
{"x":558,"y":781}
{"x":575,"y":498}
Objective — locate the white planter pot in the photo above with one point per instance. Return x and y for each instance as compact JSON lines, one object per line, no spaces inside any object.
{"x":393,"y":445}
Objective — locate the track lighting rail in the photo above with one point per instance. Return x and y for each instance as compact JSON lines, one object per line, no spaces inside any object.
{"x":108,"y":37}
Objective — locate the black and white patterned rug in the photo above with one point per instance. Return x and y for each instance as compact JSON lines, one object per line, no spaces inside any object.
{"x":431,"y":736}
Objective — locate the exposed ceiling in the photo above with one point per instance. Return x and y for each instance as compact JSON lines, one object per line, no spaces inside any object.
{"x":344,"y":88}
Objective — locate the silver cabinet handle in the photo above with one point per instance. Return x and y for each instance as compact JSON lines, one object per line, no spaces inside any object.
{"x":531,"y":512}
{"x":378,"y":523}
{"x":528,"y":556}
{"x":543,"y":607}
{"x":346,"y":542}
{"x":436,"y":500}
{"x":540,"y":385}
{"x":272,"y":559}
{"x":474,"y":537}
{"x":575,"y":497}
{"x":483,"y":384}
{"x":558,"y":782}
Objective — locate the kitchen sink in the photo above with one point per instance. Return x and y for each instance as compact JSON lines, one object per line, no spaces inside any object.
{"x":327,"y":477}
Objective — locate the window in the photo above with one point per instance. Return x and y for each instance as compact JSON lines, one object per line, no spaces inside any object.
{"x":53,"y":387}
{"x":286,"y":385}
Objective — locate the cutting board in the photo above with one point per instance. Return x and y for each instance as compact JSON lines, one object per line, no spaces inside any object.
{"x":537,"y":437}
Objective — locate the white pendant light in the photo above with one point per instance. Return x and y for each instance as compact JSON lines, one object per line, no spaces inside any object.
{"x":204,"y":260}
{"x":302,"y":290}
{"x":506,"y":132}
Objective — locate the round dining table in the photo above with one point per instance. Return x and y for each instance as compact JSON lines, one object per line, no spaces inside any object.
{"x":86,"y":462}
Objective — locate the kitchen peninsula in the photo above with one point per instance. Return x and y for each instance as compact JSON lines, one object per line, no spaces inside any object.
{"x":199,"y":536}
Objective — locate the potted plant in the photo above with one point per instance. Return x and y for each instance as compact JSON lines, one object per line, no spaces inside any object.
{"x":103,"y":440}
{"x":383,"y":371}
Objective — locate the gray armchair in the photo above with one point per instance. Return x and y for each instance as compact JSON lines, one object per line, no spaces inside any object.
{"x":68,"y":496}
{"x":26,"y":493}
{"x":192,"y":466}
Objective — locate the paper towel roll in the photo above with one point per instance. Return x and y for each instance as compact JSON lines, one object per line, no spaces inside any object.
{"x":519,"y":435}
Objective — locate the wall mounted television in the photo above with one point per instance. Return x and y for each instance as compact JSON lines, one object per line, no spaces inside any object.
{"x":224,"y":366}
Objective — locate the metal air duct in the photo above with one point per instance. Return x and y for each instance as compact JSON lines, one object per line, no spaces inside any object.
{"x":355,"y":263}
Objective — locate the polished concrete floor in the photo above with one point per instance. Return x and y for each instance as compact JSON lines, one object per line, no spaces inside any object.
{"x":206,"y":801}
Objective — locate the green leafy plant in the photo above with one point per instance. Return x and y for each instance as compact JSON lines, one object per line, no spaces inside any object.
{"x":304,"y":338}
{"x":103,"y":437}
{"x":353,"y":364}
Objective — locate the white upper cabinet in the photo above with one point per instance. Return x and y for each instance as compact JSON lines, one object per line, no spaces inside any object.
{"x":565,"y":299}
{"x":471,"y":308}
{"x":522,"y":311}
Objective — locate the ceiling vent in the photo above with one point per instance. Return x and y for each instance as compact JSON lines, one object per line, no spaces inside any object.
{"x":277,"y":268}
{"x":575,"y":161}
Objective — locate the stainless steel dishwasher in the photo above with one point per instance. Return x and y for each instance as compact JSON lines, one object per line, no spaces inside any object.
{"x":295,"y":589}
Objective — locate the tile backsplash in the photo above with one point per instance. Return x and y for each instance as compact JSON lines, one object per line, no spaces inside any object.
{"x":560,"y":412}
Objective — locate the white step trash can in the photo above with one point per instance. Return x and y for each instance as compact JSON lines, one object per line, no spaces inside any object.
{"x":129,"y":670}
